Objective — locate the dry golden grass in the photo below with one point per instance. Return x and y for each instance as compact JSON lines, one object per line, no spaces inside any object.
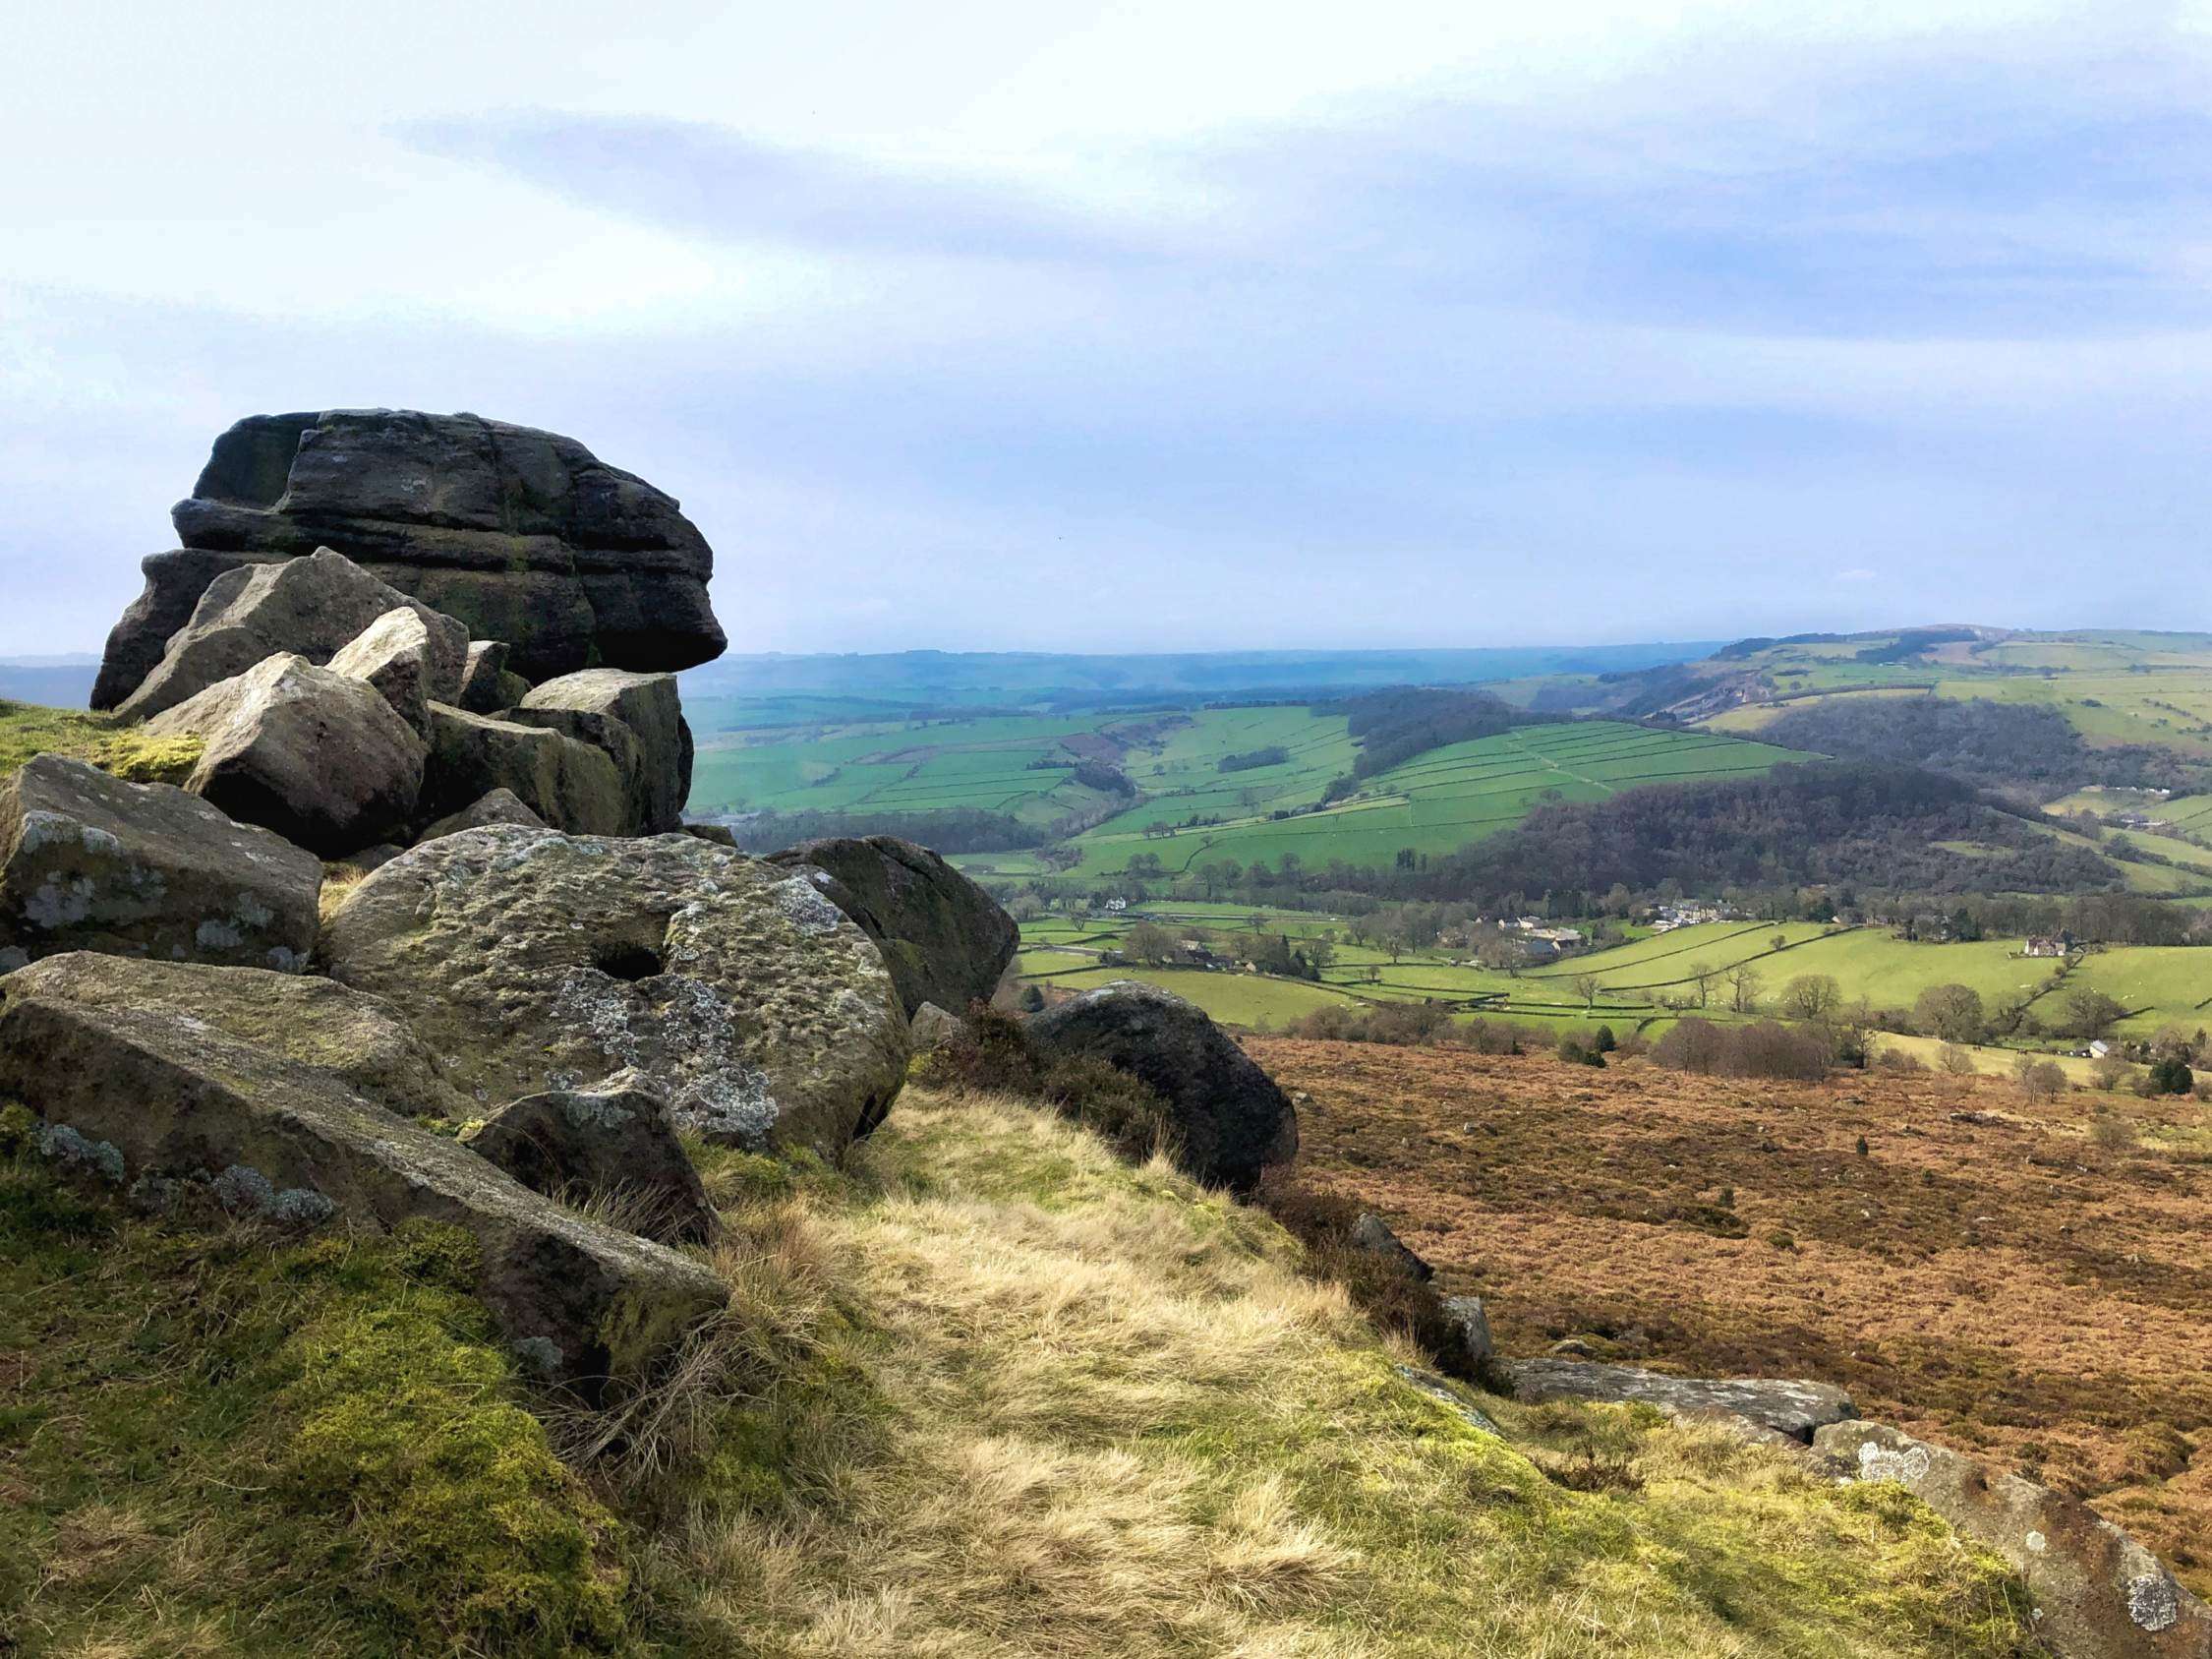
{"x":1004,"y":1394}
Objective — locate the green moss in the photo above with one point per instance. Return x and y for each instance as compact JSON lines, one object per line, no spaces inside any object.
{"x":28,"y":730}
{"x":306,"y":1448}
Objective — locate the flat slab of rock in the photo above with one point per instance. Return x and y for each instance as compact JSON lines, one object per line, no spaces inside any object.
{"x":651,"y":708}
{"x":534,"y":961}
{"x":524,"y":535}
{"x":611,"y":1141}
{"x":944,"y":939}
{"x":174,"y":582}
{"x":285,"y":1098}
{"x":571,"y":786}
{"x":312,"y":607}
{"x":89,"y":863}
{"x":2098,"y":1594}
{"x":1234,"y":1121}
{"x":1792,"y":1410}
{"x":317,"y":757}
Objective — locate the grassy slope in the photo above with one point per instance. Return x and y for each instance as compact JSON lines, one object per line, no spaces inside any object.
{"x":989,"y":1391}
{"x":26,"y":730}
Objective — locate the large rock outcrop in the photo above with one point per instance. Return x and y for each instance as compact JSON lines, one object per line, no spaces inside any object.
{"x":290,"y":1097}
{"x":320,"y":758}
{"x":314,"y":606}
{"x":2098,"y":1594}
{"x":611,"y":1144}
{"x":89,"y":863}
{"x":1233,"y":1119}
{"x":944,"y":938}
{"x":538,"y":961}
{"x":648,"y":705}
{"x":572,"y":786}
{"x":524,"y":535}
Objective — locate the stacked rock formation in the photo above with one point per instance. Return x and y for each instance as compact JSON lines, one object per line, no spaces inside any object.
{"x":523,"y":950}
{"x":526,"y":536}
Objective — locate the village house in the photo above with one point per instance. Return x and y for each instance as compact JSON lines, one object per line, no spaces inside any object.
{"x":2041,"y":944}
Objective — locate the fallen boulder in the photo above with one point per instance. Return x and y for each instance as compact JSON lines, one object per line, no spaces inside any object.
{"x":487,"y":686}
{"x":944,"y":938}
{"x":569,"y":785}
{"x":524,"y":535}
{"x":538,"y":961}
{"x":316,"y":756}
{"x":89,"y":863}
{"x":600,"y":731}
{"x":1373,"y":1234}
{"x":315,"y":607}
{"x":1469,"y":1324}
{"x":649,"y":706}
{"x":289,"y":1098}
{"x":611,"y":1143}
{"x":932,"y":1027}
{"x":1232,"y":1118}
{"x":1792,"y":1411}
{"x":396,"y":655}
{"x":500,"y":806}
{"x":2098,"y":1594}
{"x":174,"y":582}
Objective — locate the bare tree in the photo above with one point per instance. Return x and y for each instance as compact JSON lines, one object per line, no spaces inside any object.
{"x":1744,"y":982}
{"x":1812,"y":996}
{"x":1586,"y":986}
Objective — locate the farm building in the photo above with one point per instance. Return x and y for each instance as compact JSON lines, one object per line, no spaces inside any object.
{"x":2041,"y":945}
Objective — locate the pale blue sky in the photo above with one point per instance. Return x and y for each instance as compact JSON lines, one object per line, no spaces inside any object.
{"x":1007,"y":325}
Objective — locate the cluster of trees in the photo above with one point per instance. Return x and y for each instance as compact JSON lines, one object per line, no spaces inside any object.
{"x":1958,"y":1014}
{"x":1395,"y":726}
{"x":1274,"y":755}
{"x":2030,"y":747}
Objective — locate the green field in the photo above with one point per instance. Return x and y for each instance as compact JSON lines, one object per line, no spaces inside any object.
{"x":1438,"y":801}
{"x":1646,"y":985}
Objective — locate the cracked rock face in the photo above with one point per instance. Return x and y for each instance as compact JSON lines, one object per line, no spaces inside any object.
{"x":90,"y":862}
{"x":533,"y":961}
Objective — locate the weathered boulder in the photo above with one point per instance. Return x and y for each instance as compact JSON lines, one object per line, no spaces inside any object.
{"x":290,"y":1097}
{"x":612,"y":1143}
{"x":932,"y":1027}
{"x":649,"y":706}
{"x":1790,"y":1409}
{"x":571,"y":786}
{"x":89,"y":863}
{"x":487,"y":686}
{"x":174,"y":582}
{"x":316,"y":756}
{"x":1232,"y":1118}
{"x":500,"y":806}
{"x":315,"y":607}
{"x":1373,"y":1234}
{"x":944,"y":938}
{"x":398,"y":655}
{"x":526,"y":536}
{"x":2098,"y":1594}
{"x":1469,"y":1321}
{"x":601,"y":731}
{"x":540,"y":960}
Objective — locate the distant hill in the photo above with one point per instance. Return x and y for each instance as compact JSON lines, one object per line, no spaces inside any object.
{"x":57,"y":682}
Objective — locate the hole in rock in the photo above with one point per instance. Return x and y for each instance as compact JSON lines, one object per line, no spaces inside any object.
{"x":627,"y":962}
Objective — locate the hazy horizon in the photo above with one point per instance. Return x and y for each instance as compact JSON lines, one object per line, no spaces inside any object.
{"x":1148,"y":327}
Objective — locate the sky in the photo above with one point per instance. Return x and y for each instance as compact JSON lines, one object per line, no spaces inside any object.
{"x":986,"y":326}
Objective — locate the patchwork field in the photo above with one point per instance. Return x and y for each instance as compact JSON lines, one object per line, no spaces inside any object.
{"x":1994,"y":1280}
{"x":1436,"y":802}
{"x":1644,"y":985}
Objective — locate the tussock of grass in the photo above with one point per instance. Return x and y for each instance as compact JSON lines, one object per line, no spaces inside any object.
{"x":1103,"y":1413}
{"x":28,"y":730}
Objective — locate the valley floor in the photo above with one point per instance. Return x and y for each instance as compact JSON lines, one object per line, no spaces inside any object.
{"x":1970,"y":1265}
